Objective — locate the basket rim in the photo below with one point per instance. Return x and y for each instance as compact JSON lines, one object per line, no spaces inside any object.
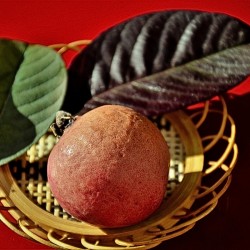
{"x":194,"y":162}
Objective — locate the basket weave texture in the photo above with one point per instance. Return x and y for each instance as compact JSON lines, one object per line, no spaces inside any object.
{"x":196,"y":182}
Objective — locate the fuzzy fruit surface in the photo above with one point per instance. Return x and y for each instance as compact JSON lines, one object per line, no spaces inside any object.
{"x":110,"y":167}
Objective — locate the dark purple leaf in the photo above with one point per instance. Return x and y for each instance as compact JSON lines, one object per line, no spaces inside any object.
{"x":160,"y":62}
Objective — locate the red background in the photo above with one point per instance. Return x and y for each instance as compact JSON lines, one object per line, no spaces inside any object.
{"x":49,"y":22}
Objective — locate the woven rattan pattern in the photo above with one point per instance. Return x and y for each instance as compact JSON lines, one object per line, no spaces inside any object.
{"x":215,"y":181}
{"x":29,"y":172}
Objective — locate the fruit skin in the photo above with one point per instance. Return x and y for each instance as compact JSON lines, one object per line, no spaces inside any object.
{"x":110,"y":168}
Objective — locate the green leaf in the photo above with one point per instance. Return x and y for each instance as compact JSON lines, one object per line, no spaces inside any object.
{"x":32,"y":88}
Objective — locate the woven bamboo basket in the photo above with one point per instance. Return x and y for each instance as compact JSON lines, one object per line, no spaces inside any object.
{"x":202,"y":160}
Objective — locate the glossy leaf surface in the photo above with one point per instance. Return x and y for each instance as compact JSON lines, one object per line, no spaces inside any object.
{"x":160,"y":62}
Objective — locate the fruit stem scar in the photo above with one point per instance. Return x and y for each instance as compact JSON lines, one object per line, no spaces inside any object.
{"x":63,"y":120}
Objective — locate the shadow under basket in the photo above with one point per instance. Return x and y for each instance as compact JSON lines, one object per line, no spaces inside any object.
{"x":203,"y":154}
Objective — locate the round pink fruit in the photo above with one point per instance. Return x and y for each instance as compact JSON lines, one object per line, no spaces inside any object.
{"x":110,"y":167}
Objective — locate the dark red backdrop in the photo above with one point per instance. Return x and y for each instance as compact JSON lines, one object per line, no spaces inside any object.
{"x":49,"y":22}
